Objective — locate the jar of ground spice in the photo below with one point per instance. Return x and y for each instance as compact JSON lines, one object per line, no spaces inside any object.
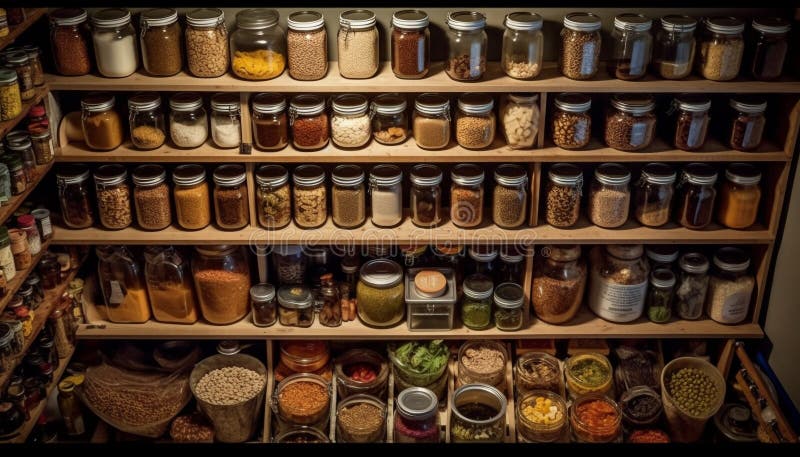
{"x":653,"y":196}
{"x":673,"y":54}
{"x":431,"y":121}
{"x":610,"y":196}
{"x":690,"y":293}
{"x":222,"y":280}
{"x":559,"y":280}
{"x":730,"y":287}
{"x":361,"y":419}
{"x":357,"y":44}
{"x":270,"y":125}
{"x":721,"y":48}
{"x":633,"y":45}
{"x":303,"y":399}
{"x":69,"y":41}
{"x":563,"y":195}
{"x":691,"y":121}
{"x":523,"y":42}
{"x":10,"y":100}
{"x":350,"y":122}
{"x":386,"y":191}
{"x":466,"y":195}
{"x":114,"y":41}
{"x":102,"y":127}
{"x":510,"y":201}
{"x":426,"y":195}
{"x":19,"y":62}
{"x":273,"y":199}
{"x":160,"y":38}
{"x":389,"y":119}
{"x":192,"y":199}
{"x":696,"y":195}
{"x":188,"y":122}
{"x":226,"y":120}
{"x":206,"y":43}
{"x":571,"y":122}
{"x":739,"y":196}
{"x":380,"y":293}
{"x":309,"y":122}
{"x":580,"y":46}
{"x":113,"y":196}
{"x":146,"y":121}
{"x":73,"y":196}
{"x":466,"y":59}
{"x":151,"y":197}
{"x":348,"y":196}
{"x":307,"y":45}
{"x":630,"y":122}
{"x":748,"y":122}
{"x":771,"y":45}
{"x":258,"y":46}
{"x":310,"y":196}
{"x":411,"y":44}
{"x":169,"y":285}
{"x":475,"y":121}
{"x":230,"y":197}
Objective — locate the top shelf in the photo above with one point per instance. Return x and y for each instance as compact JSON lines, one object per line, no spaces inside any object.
{"x":550,"y":80}
{"x":31,"y":15}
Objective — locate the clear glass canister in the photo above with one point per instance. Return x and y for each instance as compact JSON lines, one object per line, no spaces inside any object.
{"x":19,"y":62}
{"x":662,"y":256}
{"x":431,"y":121}
{"x":510,"y":202}
{"x":632,"y":46}
{"x":730,"y":287}
{"x":476,"y":301}
{"x":113,"y":196}
{"x":18,"y":179}
{"x":307,"y":45}
{"x":523,"y":42}
{"x":653,"y":194}
{"x":357,"y":44}
{"x":386,"y":195}
{"x":389,"y":119}
{"x":11,"y":105}
{"x":410,"y":44}
{"x":69,"y":41}
{"x":610,"y":195}
{"x":588,"y":373}
{"x":146,"y":121}
{"x":222,"y":281}
{"x":467,"y":38}
{"x":579,"y":55}
{"x":102,"y":126}
{"x":73,"y":196}
{"x":426,"y":195}
{"x":192,"y":198}
{"x":380,"y":293}
{"x":771,"y":46}
{"x":511,"y":268}
{"x":270,"y":124}
{"x":478,"y":414}
{"x":160,"y":38}
{"x":35,"y":59}
{"x":188,"y":122}
{"x":151,"y":197}
{"x":273,"y":197}
{"x":348,"y":196}
{"x":310,"y":196}
{"x":541,"y":417}
{"x":563,"y":195}
{"x":475,"y":120}
{"x":361,"y":371}
{"x":519,"y":115}
{"x":114,"y":38}
{"x":630,"y":122}
{"x":691,"y":121}
{"x":508,"y":300}
{"x":559,"y":280}
{"x":739,"y":196}
{"x":721,"y":48}
{"x":690,"y":292}
{"x":618,"y":284}
{"x":748,"y":122}
{"x":466,"y":195}
{"x":43,"y":223}
{"x":571,"y":121}
{"x":264,"y":304}
{"x":290,"y":264}
{"x":538,"y":371}
{"x":258,"y":47}
{"x":22,"y":150}
{"x":660,"y":295}
{"x":350,"y":122}
{"x":697,"y":195}
{"x":27,"y":224}
{"x":122,"y":286}
{"x":226,"y":120}
{"x":673,"y":54}
{"x":309,"y":122}
{"x":169,"y":285}
{"x":361,"y":418}
{"x":230,"y":197}
{"x":595,"y":419}
{"x":206,"y":43}
{"x":416,"y":417}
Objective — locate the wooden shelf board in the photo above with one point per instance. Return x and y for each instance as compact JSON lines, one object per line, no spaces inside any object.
{"x":31,"y":15}
{"x":7,"y":126}
{"x":7,"y":210}
{"x":13,"y":286}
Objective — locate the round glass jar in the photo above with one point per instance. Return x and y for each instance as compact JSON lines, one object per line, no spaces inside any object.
{"x":303,"y":399}
{"x":222,"y":281}
{"x":357,"y":43}
{"x":231,"y":207}
{"x":426,"y":195}
{"x":589,"y":373}
{"x":73,"y":196}
{"x":11,"y":106}
{"x":748,"y":122}
{"x":290,"y":264}
{"x":226,"y":120}
{"x":563,"y":195}
{"x":122,"y":285}
{"x":264,"y":305}
{"x":389,"y":119}
{"x":771,"y":46}
{"x":673,"y":54}
{"x":595,"y":419}
{"x":508,"y":313}
{"x":206,"y":43}
{"x":19,"y":182}
{"x":348,"y":196}
{"x":273,"y":197}
{"x":114,"y":41}
{"x":482,"y":362}
{"x":416,"y":418}
{"x":691,"y":121}
{"x":258,"y":47}
{"x":361,"y":419}
{"x":102,"y":126}
{"x":160,"y":39}
{"x":696,"y":195}
{"x":641,"y":407}
{"x":739,"y":196}
{"x":69,"y":41}
{"x":307,"y":45}
{"x":519,"y":115}
{"x":270,"y":124}
{"x":630,"y":122}
{"x":610,"y":195}
{"x":19,"y":62}
{"x":579,"y":54}
{"x":43,"y":223}
{"x":721,"y":48}
{"x":192,"y":198}
{"x":466,"y":195}
{"x":301,"y":434}
{"x":730,"y":287}
{"x":632,"y":46}
{"x":690,"y":292}
{"x":350,"y":122}
{"x":386,"y":195}
{"x":310,"y":196}
{"x":466,"y":58}
{"x":618,"y":284}
{"x":361,"y":371}
{"x":541,"y":417}
{"x":146,"y":121}
{"x":410,"y":44}
{"x":510,"y":201}
{"x":538,"y":371}
{"x":151,"y":197}
{"x":559,"y":280}
{"x":309,"y":122}
{"x":188,"y":123}
{"x":475,"y":121}
{"x":523,"y":43}
{"x":296,"y":306}
{"x":169,"y":285}
{"x":476,"y":302}
{"x":304,"y":356}
{"x":380,"y":293}
{"x":478,"y":414}
{"x":660,"y":295}
{"x":653,"y":194}
{"x":431,"y":121}
{"x":113,"y":196}
{"x":571,"y":121}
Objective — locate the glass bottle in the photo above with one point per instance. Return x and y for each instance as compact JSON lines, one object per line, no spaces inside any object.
{"x":19,"y":62}
{"x":660,"y":295}
{"x":476,"y":301}
{"x":222,"y":281}
{"x":730,"y":286}
{"x":350,"y":122}
{"x":410,"y":44}
{"x":192,"y":198}
{"x":618,"y":284}
{"x":721,"y":48}
{"x":510,"y":202}
{"x":475,"y":121}
{"x":653,"y":194}
{"x":426,"y":195}
{"x":273,"y":199}
{"x":771,"y":46}
{"x":467,"y":45}
{"x":307,"y":46}
{"x":523,"y":42}
{"x":610,"y":196}
{"x":114,"y":41}
{"x":73,"y":196}
{"x":146,"y":121}
{"x":264,"y":304}
{"x":122,"y":286}
{"x":231,"y":206}
{"x":160,"y":39}
{"x":151,"y":197}
{"x":169,"y":285}
{"x":431,"y":121}
{"x":270,"y":125}
{"x":633,"y":45}
{"x":630,"y":122}
{"x":389,"y":119}
{"x":188,"y":122}
{"x":697,"y":194}
{"x":748,"y":122}
{"x":580,"y":46}
{"x":386,"y":195}
{"x":739,"y":196}
{"x":69,"y":41}
{"x":519,"y":117}
{"x":357,"y":41}
{"x":309,"y":122}
{"x":206,"y":43}
{"x":113,"y":196}
{"x":101,"y":124}
{"x":563,"y":195}
{"x":310,"y":196}
{"x":348,"y":196}
{"x":690,"y":292}
{"x":258,"y":46}
{"x":70,"y":408}
{"x":571,"y":121}
{"x":416,"y":417}
{"x":673,"y":54}
{"x":691,"y":113}
{"x":559,"y":280}
{"x":466,"y":195}
{"x":226,"y":120}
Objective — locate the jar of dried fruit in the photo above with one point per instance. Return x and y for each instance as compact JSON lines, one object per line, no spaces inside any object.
{"x":389,"y":119}
{"x":468,"y":42}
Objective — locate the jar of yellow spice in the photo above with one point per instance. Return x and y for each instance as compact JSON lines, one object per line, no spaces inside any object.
{"x":258,"y":46}
{"x":10,"y":100}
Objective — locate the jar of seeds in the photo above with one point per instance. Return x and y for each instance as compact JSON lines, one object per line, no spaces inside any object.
{"x":610,"y":196}
{"x":580,"y":46}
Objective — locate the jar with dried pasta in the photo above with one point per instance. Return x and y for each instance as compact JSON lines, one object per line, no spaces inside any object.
{"x":630,"y":122}
{"x":258,"y":47}
{"x":730,"y":287}
{"x":273,"y":199}
{"x":739,"y":196}
{"x":466,"y":195}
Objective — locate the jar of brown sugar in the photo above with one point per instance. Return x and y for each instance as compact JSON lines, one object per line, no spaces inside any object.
{"x":230,"y":197}
{"x":748,"y":122}
{"x":563,"y":195}
{"x":426,"y":195}
{"x":73,"y":196}
{"x":475,"y":121}
{"x":273,"y":200}
{"x":466,"y":59}
{"x":113,"y":196}
{"x":192,"y":198}
{"x":696,"y":195}
{"x":389,"y":119}
{"x":630,"y":122}
{"x":654,"y":191}
{"x":580,"y":46}
{"x":510,"y":205}
{"x":102,"y":127}
{"x":151,"y":197}
{"x":771,"y":46}
{"x":307,"y":45}
{"x":206,"y":43}
{"x":69,"y":41}
{"x":146,"y":120}
{"x":160,"y":39}
{"x":431,"y":121}
{"x":610,"y":196}
{"x":411,"y":44}
{"x":739,"y":196}
{"x":310,"y":196}
{"x":466,"y":195}
{"x":348,"y":196}
{"x":691,"y":121}
{"x":572,"y":123}
{"x":270,"y":125}
{"x":309,"y":122}
{"x":721,"y":48}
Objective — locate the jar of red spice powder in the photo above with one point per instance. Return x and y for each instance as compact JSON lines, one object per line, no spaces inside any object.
{"x":309,"y":122}
{"x":595,"y":418}
{"x":416,"y":418}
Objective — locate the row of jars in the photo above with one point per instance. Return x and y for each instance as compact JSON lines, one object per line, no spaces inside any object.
{"x":21,"y":157}
{"x":20,"y":74}
{"x":694,"y":200}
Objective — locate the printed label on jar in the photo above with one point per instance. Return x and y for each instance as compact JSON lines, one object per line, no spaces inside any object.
{"x":683,"y":53}
{"x":117,"y":296}
{"x":616,"y":302}
{"x":695,"y":133}
{"x":735,"y":307}
{"x":581,"y":131}
{"x":638,"y":133}
{"x":587,"y":61}
{"x":45,"y":227}
{"x":637,"y":58}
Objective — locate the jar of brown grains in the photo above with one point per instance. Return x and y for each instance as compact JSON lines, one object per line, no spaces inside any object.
{"x":475,"y":121}
{"x":654,"y":191}
{"x":466,"y":59}
{"x":748,"y":122}
{"x":426,"y":195}
{"x":270,"y":124}
{"x":309,"y":122}
{"x":348,"y":196}
{"x":273,"y":199}
{"x":113,"y":196}
{"x":310,"y":196}
{"x":230,"y":197}
{"x":696,"y":195}
{"x":146,"y":121}
{"x":411,"y":44}
{"x":222,"y":280}
{"x":580,"y":46}
{"x":721,"y":48}
{"x":69,"y":41}
{"x":691,"y":121}
{"x":510,"y":203}
{"x":160,"y":39}
{"x":630,"y":122}
{"x":563,"y":195}
{"x":192,"y":198}
{"x":431,"y":121}
{"x":466,"y":195}
{"x":151,"y":197}
{"x":572,"y":123}
{"x":610,"y":195}
{"x":307,"y":45}
{"x":559,"y":280}
{"x":206,"y":43}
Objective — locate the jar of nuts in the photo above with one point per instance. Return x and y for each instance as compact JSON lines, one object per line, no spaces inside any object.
{"x":273,"y":196}
{"x":113,"y":196}
{"x":610,"y":196}
{"x":572,"y":124}
{"x":563,"y":195}
{"x":673,"y":53}
{"x":630,"y":122}
{"x":206,"y":43}
{"x":389,"y":119}
{"x":310,"y":196}
{"x":748,"y":123}
{"x":468,"y":42}
{"x":580,"y":45}
{"x":522,"y":45}
{"x":721,"y":48}
{"x":520,"y":120}
{"x":633,"y":45}
{"x":466,"y":195}
{"x":475,"y":121}
{"x":691,"y":121}
{"x":654,"y":194}
{"x":350,"y":123}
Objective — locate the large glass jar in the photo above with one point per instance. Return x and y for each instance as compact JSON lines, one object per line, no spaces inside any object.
{"x":169,"y":285}
{"x":559,"y":280}
{"x":563,"y":195}
{"x":151,"y":197}
{"x":273,"y":197}
{"x":730,"y":287}
{"x":579,"y":54}
{"x":595,"y":419}
{"x":690,"y":293}
{"x":523,"y":43}
{"x":357,"y":44}
{"x":69,"y":41}
{"x":431,"y":121}
{"x":122,"y":286}
{"x":618,"y":285}
{"x":411,"y":44}
{"x":102,"y":127}
{"x":114,"y":41}
{"x":192,"y":199}
{"x":466,"y":59}
{"x":270,"y":124}
{"x":721,"y":48}
{"x":541,"y":417}
{"x":380,"y":293}
{"x":389,"y":119}
{"x":206,"y":43}
{"x":188,"y":122}
{"x":226,"y":120}
{"x":426,"y":195}
{"x":571,"y":121}
{"x":691,"y":121}
{"x":309,"y":122}
{"x":696,"y":195}
{"x":633,"y":45}
{"x":466,"y":195}
{"x":361,"y":371}
{"x":146,"y":121}
{"x":508,"y":313}
{"x":19,"y":62}
{"x":113,"y":196}
{"x":610,"y":196}
{"x":510,"y":202}
{"x":630,"y":122}
{"x":748,"y":122}
{"x":660,"y":295}
{"x":416,"y":417}
{"x":222,"y":280}
{"x":348,"y":196}
{"x":11,"y":105}
{"x":673,"y":54}
{"x":771,"y":46}
{"x":475,"y":121}
{"x":310,"y":196}
{"x":386,"y":191}
{"x":290,"y":264}
{"x":296,"y":306}
{"x":538,"y":371}
{"x":230,"y":197}
{"x":739,"y":196}
{"x":476,"y":301}
{"x":519,"y":115}
{"x":478,"y":414}
{"x":307,"y":45}
{"x":160,"y":36}
{"x":653,"y":194}
{"x":258,"y":48}
{"x":73,"y":196}
{"x":350,"y":122}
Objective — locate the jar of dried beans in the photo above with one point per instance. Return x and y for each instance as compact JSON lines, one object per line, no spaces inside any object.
{"x":230,"y":197}
{"x":192,"y":198}
{"x":146,"y":121}
{"x":580,"y":46}
{"x":633,"y":45}
{"x":673,"y":54}
{"x":475,"y":121}
{"x":730,"y":287}
{"x":160,"y":38}
{"x":610,"y":196}
{"x":563,"y":195}
{"x":426,"y":195}
{"x":350,"y":122}
{"x":653,"y":196}
{"x":523,"y":42}
{"x":69,"y":41}
{"x":389,"y":119}
{"x":357,"y":44}
{"x":273,"y":199}
{"x":102,"y":127}
{"x":721,"y":48}
{"x":309,"y":122}
{"x":188,"y":122}
{"x":431,"y":121}
{"x":572,"y":123}
{"x":151,"y":197}
{"x":226,"y":120}
{"x":307,"y":45}
{"x":466,"y":195}
{"x":73,"y":196}
{"x":310,"y":196}
{"x":466,"y":59}
{"x":739,"y":196}
{"x":222,"y":280}
{"x":690,"y":293}
{"x":411,"y":44}
{"x":771,"y":45}
{"x":416,"y":417}
{"x":748,"y":122}
{"x":270,"y":125}
{"x":696,"y":195}
{"x":206,"y":43}
{"x":114,"y":39}
{"x":386,"y":190}
{"x":630,"y":122}
{"x":348,"y":196}
{"x":258,"y":46}
{"x":113,"y":196}
{"x":618,"y":286}
{"x":510,"y":201}
{"x":559,"y":279}
{"x":691,"y":121}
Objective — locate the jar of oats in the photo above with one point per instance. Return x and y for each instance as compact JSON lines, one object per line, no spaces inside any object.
{"x":721,"y":48}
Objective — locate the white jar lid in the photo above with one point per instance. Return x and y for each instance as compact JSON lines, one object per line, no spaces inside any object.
{"x":410,"y":19}
{"x":583,"y":22}
{"x":523,"y":21}
{"x":111,"y":17}
{"x":357,"y":19}
{"x":466,"y":21}
{"x":633,"y":22}
{"x":305,"y":21}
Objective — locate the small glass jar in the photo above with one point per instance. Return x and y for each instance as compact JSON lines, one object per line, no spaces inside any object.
{"x":307,"y":46}
{"x":618,"y":285}
{"x":579,"y":55}
{"x":690,"y":293}
{"x":380,"y":293}
{"x":357,"y":41}
{"x":563,"y":195}
{"x":361,"y":371}
{"x":38,"y":122}
{"x":416,"y":418}
{"x":389,"y":119}
{"x":160,"y":39}
{"x":69,"y":41}
{"x":730,"y":287}
{"x":348,"y":196}
{"x":519,"y":115}
{"x":510,"y":202}
{"x":721,"y":48}
{"x":226,"y":120}
{"x":73,"y":196}
{"x":467,"y":38}
{"x":151,"y":197}
{"x":192,"y":199}
{"x":466,"y":195}
{"x":114,"y":41}
{"x":386,"y":195}
{"x":35,"y":59}
{"x":188,"y":122}
{"x":660,"y":295}
{"x":739,"y":196}
{"x":589,"y":373}
{"x":230,"y":197}
{"x":206,"y":43}
{"x":478,"y":414}
{"x":508,"y":314}
{"x":630,"y":122}
{"x":102,"y":126}
{"x":273,"y":197}
{"x":476,"y":302}
{"x":222,"y":281}
{"x":571,"y":121}
{"x":169,"y":285}
{"x":426,"y":195}
{"x":541,"y":417}
{"x":559,"y":280}
{"x":673,"y":54}
{"x":697,"y":195}
{"x":23,"y":150}
{"x":270,"y":124}
{"x":11,"y":105}
{"x":538,"y":371}
{"x":748,"y":122}
{"x":309,"y":122}
{"x":691,"y":114}
{"x":296,"y":306}
{"x":641,"y":408}
{"x":310,"y":196}
{"x":27,"y":224}
{"x":258,"y":47}
{"x":18,"y":180}
{"x":290,"y":264}
{"x":146,"y":121}
{"x":350,"y":122}
{"x":510,"y":268}
{"x":264,"y":304}
{"x":595,"y":419}
{"x":610,"y":196}
{"x":361,"y":419}
{"x":410,"y":44}
{"x":483,"y":260}
{"x":633,"y":45}
{"x":523,"y":43}
{"x":653,"y":196}
{"x":431,"y":121}
{"x":113,"y":196}
{"x":662,"y":256}
{"x":475,"y":121}
{"x":43,"y":224}
{"x":19,"y":62}
{"x":771,"y":46}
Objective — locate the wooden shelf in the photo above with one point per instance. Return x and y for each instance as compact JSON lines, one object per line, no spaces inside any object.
{"x":7,"y":126}
{"x":13,"y":286}
{"x":7,"y":210}
{"x":31,"y":16}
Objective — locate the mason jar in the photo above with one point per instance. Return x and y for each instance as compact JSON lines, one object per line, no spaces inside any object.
{"x":660,"y":295}
{"x":73,"y":196}
{"x":466,"y":195}
{"x":389,"y":119}
{"x":511,"y":267}
{"x":559,"y":280}
{"x":523,"y":42}
{"x":478,"y":414}
{"x":416,"y":417}
{"x":226,"y":120}
{"x":563,"y":195}
{"x":431,"y":121}
{"x":730,"y":286}
{"x":113,"y":196}
{"x":19,"y":62}
{"x":653,"y":194}
{"x":519,"y":117}
{"x":264,"y":304}
{"x":350,"y":122}
{"x":160,"y":39}
{"x":691,"y":114}
{"x":630,"y":122}
{"x":771,"y":46}
{"x":102,"y":127}
{"x":310,"y":196}
{"x":508,"y":300}
{"x":9,"y":90}
{"x":673,"y":54}
{"x":192,"y":198}
{"x":307,"y":45}
{"x":475,"y":120}
{"x":231,"y":205}
{"x":114,"y":41}
{"x":510,"y":201}
{"x":188,"y":123}
{"x":467,"y":38}
{"x":206,"y":43}
{"x":610,"y":196}
{"x":690,"y":292}
{"x":146,"y":121}
{"x":721,"y":48}
{"x":357,"y":42}
{"x":273,"y":197}
{"x":483,"y":258}
{"x":633,"y":45}
{"x":571,"y":121}
{"x":35,"y":59}
{"x":348,"y":196}
{"x":748,"y":122}
{"x":151,"y":197}
{"x":69,"y":41}
{"x":579,"y":54}
{"x":43,"y":147}
{"x":309,"y":122}
{"x":270,"y":124}
{"x":410,"y":44}
{"x":386,"y":195}
{"x":426,"y":195}
{"x":258,"y":46}
{"x":696,"y":195}
{"x":380,"y":293}
{"x":739,"y":196}
{"x":476,"y":301}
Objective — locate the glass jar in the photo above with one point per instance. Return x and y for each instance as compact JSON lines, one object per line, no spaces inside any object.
{"x":114,"y":41}
{"x":11,"y":105}
{"x":273,"y":199}
{"x":69,"y":41}
{"x":264,"y":304}
{"x":35,"y":283}
{"x":222,"y":281}
{"x":151,"y":197}
{"x":206,"y":43}
{"x":633,"y":45}
{"x":389,"y":119}
{"x":541,"y":417}
{"x":309,"y":122}
{"x":301,"y":434}
{"x":691,"y":121}
{"x":466,"y":59}
{"x":305,"y":356}
{"x":160,"y":39}
{"x":416,"y":418}
{"x":478,"y":415}
{"x":660,"y":295}
{"x":476,"y":301}
{"x":7,"y":267}
{"x":739,"y":196}
{"x":571,"y":121}
{"x":226,"y":120}
{"x":169,"y":285}
{"x":511,"y":267}
{"x":386,"y":191}
{"x":589,"y":373}
{"x":380,"y":293}
{"x":748,"y":122}
{"x":18,"y":180}
{"x":361,"y":419}
{"x":361,"y":372}
{"x":35,"y":59}
{"x":231,"y":206}
{"x":49,"y":269}
{"x":113,"y":196}
{"x":426,"y":195}
{"x":662,"y":256}
{"x":431,"y":121}
{"x":102,"y":126}
{"x":350,"y":122}
{"x":721,"y":48}
{"x":595,"y":419}
{"x":38,"y":122}
{"x":73,"y":196}
{"x":296,"y":306}
{"x":410,"y":44}
{"x":690,"y":293}
{"x":771,"y":46}
{"x":653,"y":197}
{"x":24,"y":152}
{"x":580,"y":46}
{"x":122,"y":286}
{"x":519,"y":114}
{"x":730,"y":287}
{"x":523,"y":43}
{"x":630,"y":122}
{"x":697,"y":194}
{"x":146,"y":121}
{"x":188,"y":123}
{"x":19,"y":62}
{"x":475,"y":121}
{"x":510,"y":203}
{"x":466,"y":195}
{"x":618,"y":286}
{"x":192,"y":199}
{"x":270,"y":125}
{"x":563,"y":195}
{"x":357,"y":44}
{"x":610,"y":195}
{"x":559,"y":280}
{"x":348,"y":196}
{"x":6,"y":351}
{"x":258,"y":47}
{"x":307,"y":46}
{"x":673,"y":54}
{"x":310,"y":196}
{"x":508,"y":314}
{"x":538,"y":371}
{"x":290,"y":264}
{"x":641,"y":408}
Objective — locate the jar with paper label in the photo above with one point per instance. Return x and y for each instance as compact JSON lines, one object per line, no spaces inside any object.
{"x":579,"y":55}
{"x":618,"y":283}
{"x":357,"y":44}
{"x":43,"y":223}
{"x":630,"y":122}
{"x":771,"y":46}
{"x":273,"y":197}
{"x":146,"y":121}
{"x":122,"y":286}
{"x":258,"y":47}
{"x":633,"y":45}
{"x":691,"y":121}
{"x":188,"y":122}
{"x":466,"y":195}
{"x":230,"y":197}
{"x":653,"y":194}
{"x":748,"y":122}
{"x":519,"y":117}
{"x":73,"y":196}
{"x":114,"y":41}
{"x":386,"y":190}
{"x":571,"y":121}
{"x":696,"y":195}
{"x":523,"y":43}
{"x":721,"y":48}
{"x":226,"y":120}
{"x":270,"y":123}
{"x":426,"y":195}
{"x":411,"y":44}
{"x":160,"y":38}
{"x":431,"y":121}
{"x":690,"y":292}
{"x":739,"y":196}
{"x":466,"y":59}
{"x":169,"y":285}
{"x":350,"y":122}
{"x":673,"y":54}
{"x":730,"y":287}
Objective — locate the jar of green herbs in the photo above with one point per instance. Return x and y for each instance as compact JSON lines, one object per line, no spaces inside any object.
{"x":476,"y":303}
{"x":660,"y":295}
{"x":380,"y":294}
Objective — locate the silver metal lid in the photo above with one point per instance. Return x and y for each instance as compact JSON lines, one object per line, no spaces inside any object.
{"x":272,"y":175}
{"x":230,"y":175}
{"x":466,"y":21}
{"x":7,"y":76}
{"x":659,"y":173}
{"x":256,"y":18}
{"x":347,"y":175}
{"x":751,"y":104}
{"x":295,"y":297}
{"x":410,"y":19}
{"x":475,"y":103}
{"x":510,"y":175}
{"x":662,"y":254}
{"x":678,"y":23}
{"x":612,"y":174}
{"x":431,"y":104}
{"x":17,"y":57}
{"x":144,"y":101}
{"x":524,"y":21}
{"x":417,"y":403}
{"x":111,"y":17}
{"x":68,"y":16}
{"x":743,"y":173}
{"x":72,"y":174}
{"x":389,"y":104}
{"x":229,"y":347}
{"x":350,"y":104}
{"x":307,"y":104}
{"x":269,"y":103}
{"x":693,"y":103}
{"x":110,"y":175}
{"x":663,"y":278}
{"x":725,"y":25}
{"x":20,"y":144}
{"x":478,"y":286}
{"x":225,"y":102}
{"x":357,"y":19}
{"x":731,"y":259}
{"x":262,"y":292}
{"x":381,"y":273}
{"x":385,"y":175}
{"x":566,"y":174}
{"x":510,"y":254}
{"x":573,"y":103}
{"x":188,"y":174}
{"x":528,"y":97}
{"x":98,"y":101}
{"x":636,"y":104}
{"x":633,"y":22}
{"x":467,"y":174}
{"x":186,"y":101}
{"x":479,"y":393}
{"x":305,"y":21}
{"x":149,"y":175}
{"x":583,"y":22}
{"x":482,"y":253}
{"x":694,"y":262}
{"x":771,"y":25}
{"x":205,"y":17}
{"x":425,"y":174}
{"x":308,"y":175}
{"x":158,"y":17}
{"x":508,"y":295}
{"x":700,"y":174}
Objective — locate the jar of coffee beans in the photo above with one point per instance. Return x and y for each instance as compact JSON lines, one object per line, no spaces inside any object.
{"x":563,"y":195}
